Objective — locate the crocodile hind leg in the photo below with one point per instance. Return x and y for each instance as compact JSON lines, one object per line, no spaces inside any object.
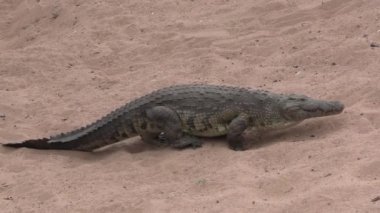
{"x":153,"y":138}
{"x":185,"y":141}
{"x":170,"y":127}
{"x":235,"y":136}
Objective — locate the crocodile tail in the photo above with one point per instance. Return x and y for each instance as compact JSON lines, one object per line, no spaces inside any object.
{"x":104,"y":132}
{"x":43,"y":143}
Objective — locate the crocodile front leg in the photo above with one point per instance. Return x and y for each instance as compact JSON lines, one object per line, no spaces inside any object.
{"x":236,"y":129}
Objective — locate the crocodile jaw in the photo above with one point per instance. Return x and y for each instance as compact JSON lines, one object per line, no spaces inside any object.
{"x":298,"y":109}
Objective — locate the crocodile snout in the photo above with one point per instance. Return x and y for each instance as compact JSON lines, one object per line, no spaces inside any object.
{"x":337,"y":106}
{"x":331,"y":108}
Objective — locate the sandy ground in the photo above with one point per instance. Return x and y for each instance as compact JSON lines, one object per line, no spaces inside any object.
{"x":63,"y":64}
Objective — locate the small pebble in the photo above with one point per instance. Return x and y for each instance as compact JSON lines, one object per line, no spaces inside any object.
{"x":375,"y":199}
{"x":373,"y":44}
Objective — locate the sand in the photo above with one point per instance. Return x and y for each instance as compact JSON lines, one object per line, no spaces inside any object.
{"x":64,"y":64}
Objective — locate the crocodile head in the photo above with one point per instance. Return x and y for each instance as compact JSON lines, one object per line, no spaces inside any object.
{"x":299,"y":107}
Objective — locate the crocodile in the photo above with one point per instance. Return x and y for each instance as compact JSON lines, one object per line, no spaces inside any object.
{"x":177,"y":116}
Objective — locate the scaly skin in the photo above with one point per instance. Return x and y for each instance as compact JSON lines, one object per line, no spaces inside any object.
{"x":177,"y":115}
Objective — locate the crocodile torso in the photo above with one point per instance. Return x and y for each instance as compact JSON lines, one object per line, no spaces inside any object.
{"x":178,"y":115}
